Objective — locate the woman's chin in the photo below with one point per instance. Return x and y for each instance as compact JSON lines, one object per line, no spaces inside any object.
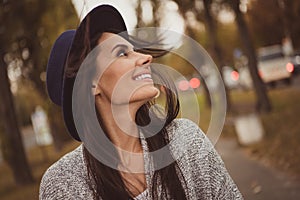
{"x":145,"y":94}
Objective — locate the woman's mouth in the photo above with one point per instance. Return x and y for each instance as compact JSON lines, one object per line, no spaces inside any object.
{"x":142,"y":77}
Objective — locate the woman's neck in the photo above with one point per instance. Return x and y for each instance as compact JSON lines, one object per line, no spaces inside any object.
{"x":119,"y":122}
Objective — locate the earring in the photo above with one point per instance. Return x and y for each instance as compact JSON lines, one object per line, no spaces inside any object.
{"x":158,"y":93}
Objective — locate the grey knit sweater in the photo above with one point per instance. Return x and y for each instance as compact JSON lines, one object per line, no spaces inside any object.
{"x":202,"y":168}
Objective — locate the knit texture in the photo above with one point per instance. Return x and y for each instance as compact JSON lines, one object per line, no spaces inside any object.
{"x":204,"y":173}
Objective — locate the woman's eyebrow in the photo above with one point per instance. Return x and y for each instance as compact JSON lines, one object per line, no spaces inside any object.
{"x":120,"y":45}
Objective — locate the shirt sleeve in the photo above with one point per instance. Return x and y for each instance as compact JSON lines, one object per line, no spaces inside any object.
{"x":66,"y":179}
{"x":204,"y":170}
{"x":222,"y":185}
{"x":53,"y":186}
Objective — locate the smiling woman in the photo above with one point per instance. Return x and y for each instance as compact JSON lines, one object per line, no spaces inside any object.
{"x":128,"y":74}
{"x":107,"y":87}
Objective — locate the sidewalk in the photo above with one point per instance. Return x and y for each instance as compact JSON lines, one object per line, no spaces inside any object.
{"x":255,"y":181}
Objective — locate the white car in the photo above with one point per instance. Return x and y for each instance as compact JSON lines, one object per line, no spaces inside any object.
{"x":273,"y":65}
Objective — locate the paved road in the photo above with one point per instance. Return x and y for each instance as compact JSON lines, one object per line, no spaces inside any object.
{"x":255,"y":181}
{"x":296,"y":81}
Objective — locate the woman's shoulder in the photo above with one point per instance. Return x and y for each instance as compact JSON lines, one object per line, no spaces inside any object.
{"x":62,"y":178}
{"x":184,"y":129}
{"x":182,"y":123}
{"x":186,"y":139}
{"x":68,"y":162}
{"x":199,"y":162}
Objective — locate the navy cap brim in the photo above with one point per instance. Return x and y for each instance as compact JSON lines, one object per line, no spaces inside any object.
{"x":56,"y":65}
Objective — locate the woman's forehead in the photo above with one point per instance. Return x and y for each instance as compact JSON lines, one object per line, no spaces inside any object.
{"x":111,"y":39}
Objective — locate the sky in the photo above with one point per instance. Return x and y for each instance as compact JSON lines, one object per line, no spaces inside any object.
{"x":171,"y":19}
{"x":127,"y":10}
{"x":125,"y":7}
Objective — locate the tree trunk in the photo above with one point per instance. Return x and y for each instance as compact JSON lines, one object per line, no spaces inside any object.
{"x":212,"y":35}
{"x":138,"y":9}
{"x":155,"y":5}
{"x":185,"y":6}
{"x":206,"y":91}
{"x":263,"y":102}
{"x":11,"y":138}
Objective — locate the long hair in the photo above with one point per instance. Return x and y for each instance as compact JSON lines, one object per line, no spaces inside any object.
{"x":106,"y":182}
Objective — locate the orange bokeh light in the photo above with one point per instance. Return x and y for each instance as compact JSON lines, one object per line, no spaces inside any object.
{"x":194,"y":83}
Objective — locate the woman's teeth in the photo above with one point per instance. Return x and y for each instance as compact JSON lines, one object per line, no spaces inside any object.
{"x":142,"y":76}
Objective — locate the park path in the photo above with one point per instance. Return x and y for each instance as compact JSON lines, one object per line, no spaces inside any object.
{"x":255,"y":180}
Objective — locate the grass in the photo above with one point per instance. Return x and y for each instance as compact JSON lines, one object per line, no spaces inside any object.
{"x":10,"y":191}
{"x":280,"y":147}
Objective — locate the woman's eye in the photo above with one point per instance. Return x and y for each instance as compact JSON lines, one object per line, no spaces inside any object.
{"x":122,"y":53}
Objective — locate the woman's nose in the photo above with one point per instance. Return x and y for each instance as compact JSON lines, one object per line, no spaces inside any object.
{"x":143,"y":59}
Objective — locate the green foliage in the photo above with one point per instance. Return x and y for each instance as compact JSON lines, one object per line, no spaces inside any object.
{"x":268,"y":21}
{"x":281,"y":143}
{"x":227,"y":36}
{"x":27,"y":30}
{"x":179,"y":64}
{"x":264,"y":18}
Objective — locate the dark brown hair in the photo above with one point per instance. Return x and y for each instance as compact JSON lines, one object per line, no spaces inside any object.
{"x":106,"y":182}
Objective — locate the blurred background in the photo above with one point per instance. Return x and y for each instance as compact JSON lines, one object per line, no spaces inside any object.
{"x":256,"y":48}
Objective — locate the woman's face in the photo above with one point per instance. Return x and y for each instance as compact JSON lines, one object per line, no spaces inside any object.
{"x":125,"y":75}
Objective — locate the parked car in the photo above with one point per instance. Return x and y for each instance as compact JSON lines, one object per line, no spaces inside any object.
{"x":296,"y":63}
{"x":273,"y":65}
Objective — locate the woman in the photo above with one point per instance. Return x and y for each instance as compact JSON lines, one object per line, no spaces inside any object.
{"x":128,"y":151}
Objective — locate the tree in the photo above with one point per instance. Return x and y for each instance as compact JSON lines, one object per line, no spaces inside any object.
{"x":30,"y":28}
{"x":27,"y":30}
{"x":279,"y":17}
{"x":292,"y":15}
{"x":138,"y":10}
{"x":263,"y":102}
{"x":11,"y":140}
{"x":205,"y":15}
{"x":211,"y":31}
{"x":268,"y":14}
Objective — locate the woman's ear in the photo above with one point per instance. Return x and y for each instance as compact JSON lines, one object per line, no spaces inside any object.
{"x":95,"y":90}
